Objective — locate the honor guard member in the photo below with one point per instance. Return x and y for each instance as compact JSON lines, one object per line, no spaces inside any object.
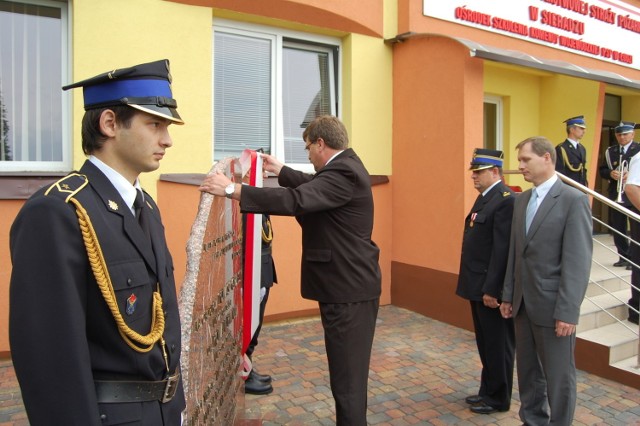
{"x":256,"y":383}
{"x":571,"y":154}
{"x":93,"y":322}
{"x":616,"y":162}
{"x":485,"y":249}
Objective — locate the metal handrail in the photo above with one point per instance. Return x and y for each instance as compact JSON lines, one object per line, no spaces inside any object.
{"x":632,"y":215}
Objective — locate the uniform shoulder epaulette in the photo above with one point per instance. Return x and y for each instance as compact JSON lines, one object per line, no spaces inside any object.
{"x":68,"y":186}
{"x":506,"y":193}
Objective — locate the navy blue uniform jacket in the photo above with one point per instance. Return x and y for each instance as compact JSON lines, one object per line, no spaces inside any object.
{"x":485,"y":245}
{"x":61,"y":331}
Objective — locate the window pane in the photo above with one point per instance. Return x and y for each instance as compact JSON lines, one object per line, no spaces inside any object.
{"x":242,"y":94}
{"x":306,"y":95}
{"x":30,"y":82}
{"x":490,"y":125}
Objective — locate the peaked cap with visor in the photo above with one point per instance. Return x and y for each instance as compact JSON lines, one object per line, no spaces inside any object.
{"x":145,"y":87}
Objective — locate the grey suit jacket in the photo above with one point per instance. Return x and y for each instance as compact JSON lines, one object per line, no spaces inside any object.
{"x":548,"y":268}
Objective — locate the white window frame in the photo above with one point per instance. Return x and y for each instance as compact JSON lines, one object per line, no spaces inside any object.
{"x":282,"y":38}
{"x":65,"y":164}
{"x":498,"y":102}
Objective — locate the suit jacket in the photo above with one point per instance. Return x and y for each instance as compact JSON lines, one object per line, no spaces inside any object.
{"x":548,"y":268}
{"x":485,"y":244}
{"x":62,"y":333}
{"x":610,"y":162}
{"x":577,"y":159}
{"x":334,"y":207}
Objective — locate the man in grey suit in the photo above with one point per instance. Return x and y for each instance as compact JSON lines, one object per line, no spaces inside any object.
{"x":546,"y":280}
{"x":340,"y":267}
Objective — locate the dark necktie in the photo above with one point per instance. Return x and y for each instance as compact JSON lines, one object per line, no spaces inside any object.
{"x":477,"y":203}
{"x":142,"y":213}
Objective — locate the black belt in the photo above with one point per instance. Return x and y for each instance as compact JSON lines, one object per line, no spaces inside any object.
{"x":113,"y":391}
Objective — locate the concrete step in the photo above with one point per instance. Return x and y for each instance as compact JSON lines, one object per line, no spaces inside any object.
{"x":631,"y":365}
{"x":610,"y":341}
{"x":592,"y":314}
{"x":608,"y":285}
{"x":607,"y":276}
{"x":620,"y":337}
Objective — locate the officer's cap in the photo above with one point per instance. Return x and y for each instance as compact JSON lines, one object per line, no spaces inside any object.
{"x":486,"y":159}
{"x":624,"y":127}
{"x":146,"y":87}
{"x":576,"y":121}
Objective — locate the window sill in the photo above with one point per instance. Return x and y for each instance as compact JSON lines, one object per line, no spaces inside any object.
{"x":20,"y":186}
{"x":197,"y":178}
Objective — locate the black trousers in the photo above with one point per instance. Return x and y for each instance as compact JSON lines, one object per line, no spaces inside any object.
{"x":619,"y":222}
{"x":348,"y":338}
{"x":495,"y":337}
{"x":254,"y":340}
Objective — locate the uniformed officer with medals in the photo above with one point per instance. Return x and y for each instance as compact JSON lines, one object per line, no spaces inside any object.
{"x":483,"y":264}
{"x":571,"y":155}
{"x":94,"y":325}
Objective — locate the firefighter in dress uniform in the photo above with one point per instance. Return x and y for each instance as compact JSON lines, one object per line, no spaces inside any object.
{"x":94,"y":326}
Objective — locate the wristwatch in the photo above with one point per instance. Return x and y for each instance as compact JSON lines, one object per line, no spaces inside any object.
{"x":229,"y":190}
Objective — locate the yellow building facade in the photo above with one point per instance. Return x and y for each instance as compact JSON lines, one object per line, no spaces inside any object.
{"x":419,"y":84}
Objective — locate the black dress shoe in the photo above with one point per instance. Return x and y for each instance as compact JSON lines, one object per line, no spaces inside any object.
{"x":483,"y":408}
{"x":264,"y":378}
{"x":473,"y":399}
{"x":254,"y":386}
{"x":621,"y":262}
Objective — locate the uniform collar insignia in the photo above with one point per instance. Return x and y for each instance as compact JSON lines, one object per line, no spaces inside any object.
{"x":113,"y":205}
{"x":506,"y":193}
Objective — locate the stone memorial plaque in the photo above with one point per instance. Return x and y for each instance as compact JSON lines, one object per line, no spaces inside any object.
{"x":211,"y":310}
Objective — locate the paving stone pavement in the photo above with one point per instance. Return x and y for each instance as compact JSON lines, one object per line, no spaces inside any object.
{"x":421,"y":371}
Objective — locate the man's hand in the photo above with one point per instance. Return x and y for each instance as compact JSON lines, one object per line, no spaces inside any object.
{"x":215,"y":183}
{"x":270,"y":164}
{"x":490,"y":301}
{"x":615,"y":174}
{"x":506,"y":310}
{"x":564,"y":329}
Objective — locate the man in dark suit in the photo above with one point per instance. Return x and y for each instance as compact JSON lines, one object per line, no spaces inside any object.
{"x":547,"y":274}
{"x":485,"y":247}
{"x":340,"y":267}
{"x":95,"y":339}
{"x":571,"y":155}
{"x":614,"y":157}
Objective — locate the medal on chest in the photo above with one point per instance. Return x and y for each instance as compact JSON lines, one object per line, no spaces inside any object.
{"x":473,"y":218}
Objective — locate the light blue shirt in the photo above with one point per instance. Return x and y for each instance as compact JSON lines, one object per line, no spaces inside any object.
{"x":543,"y":188}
